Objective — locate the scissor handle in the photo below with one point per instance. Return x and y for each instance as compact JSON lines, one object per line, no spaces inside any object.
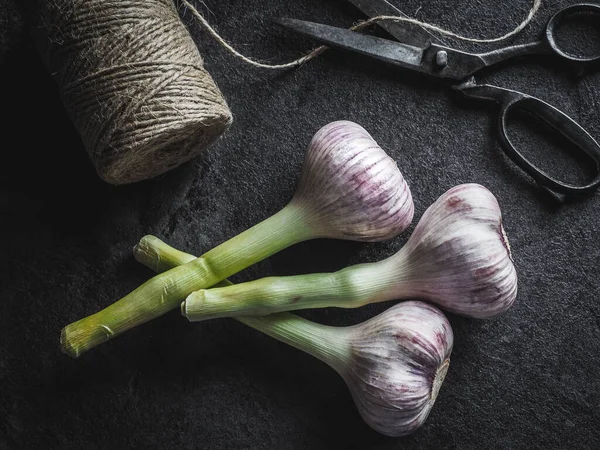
{"x":512,"y":100}
{"x":466,"y":64}
{"x":563,"y":15}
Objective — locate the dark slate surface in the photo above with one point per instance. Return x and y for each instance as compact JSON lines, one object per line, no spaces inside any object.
{"x":11,"y":27}
{"x":528,"y":379}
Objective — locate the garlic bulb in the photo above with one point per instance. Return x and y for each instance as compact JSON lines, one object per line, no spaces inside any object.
{"x":352,"y":187}
{"x":394,"y":364}
{"x":458,"y":257}
{"x":349,"y":189}
{"x":398,"y":362}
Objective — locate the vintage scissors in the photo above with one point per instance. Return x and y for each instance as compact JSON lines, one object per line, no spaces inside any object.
{"x":415,"y":50}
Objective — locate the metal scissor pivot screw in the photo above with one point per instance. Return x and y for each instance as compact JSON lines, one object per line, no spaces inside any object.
{"x":441,"y":58}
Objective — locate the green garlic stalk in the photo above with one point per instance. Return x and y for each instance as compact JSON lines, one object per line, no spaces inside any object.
{"x":393,"y":364}
{"x":349,"y":189}
{"x":457,"y":257}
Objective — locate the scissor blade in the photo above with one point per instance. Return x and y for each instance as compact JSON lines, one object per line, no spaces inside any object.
{"x":407,"y":33}
{"x":375,"y":47}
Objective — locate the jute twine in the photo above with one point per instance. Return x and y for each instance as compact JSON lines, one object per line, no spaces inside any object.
{"x":357,"y":27}
{"x":133,"y":83}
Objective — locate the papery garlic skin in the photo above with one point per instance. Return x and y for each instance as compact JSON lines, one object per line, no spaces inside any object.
{"x":393,"y":364}
{"x":458,"y":255}
{"x":398,"y":362}
{"x":351,"y":187}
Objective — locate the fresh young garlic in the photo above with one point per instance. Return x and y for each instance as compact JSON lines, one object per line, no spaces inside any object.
{"x":394,"y":364}
{"x":349,"y":189}
{"x":458,"y":257}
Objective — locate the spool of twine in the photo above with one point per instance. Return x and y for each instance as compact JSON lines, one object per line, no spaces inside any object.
{"x":133,"y":82}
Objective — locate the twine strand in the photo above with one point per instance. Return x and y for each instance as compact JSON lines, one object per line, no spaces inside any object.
{"x":359,"y":26}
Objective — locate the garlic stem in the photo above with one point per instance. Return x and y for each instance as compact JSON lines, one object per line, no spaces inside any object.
{"x":351,"y":287}
{"x":320,"y":341}
{"x":159,"y":257}
{"x":328,"y":344}
{"x":164,"y":292}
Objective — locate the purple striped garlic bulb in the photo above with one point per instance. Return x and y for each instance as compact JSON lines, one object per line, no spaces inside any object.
{"x":459,"y":256}
{"x":351,"y":188}
{"x":397,"y":365}
{"x":393,"y":364}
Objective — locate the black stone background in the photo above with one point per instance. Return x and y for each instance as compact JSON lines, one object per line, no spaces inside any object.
{"x":527,"y":379}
